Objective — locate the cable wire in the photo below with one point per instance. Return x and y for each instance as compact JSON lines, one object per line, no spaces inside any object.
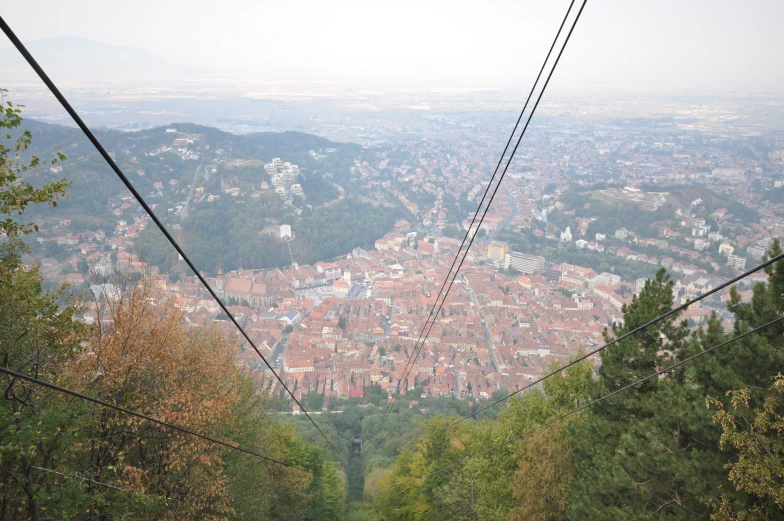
{"x":609,"y":395}
{"x":143,"y":416}
{"x":481,"y":202}
{"x":648,"y":324}
{"x":74,"y":476}
{"x":495,"y":191}
{"x":85,"y":129}
{"x":414,"y":353}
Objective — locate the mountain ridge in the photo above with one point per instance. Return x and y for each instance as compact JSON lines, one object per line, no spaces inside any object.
{"x":78,"y":57}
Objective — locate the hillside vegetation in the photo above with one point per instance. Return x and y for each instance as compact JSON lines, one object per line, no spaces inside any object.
{"x":215,"y":233}
{"x":62,"y":457}
{"x":702,"y":442}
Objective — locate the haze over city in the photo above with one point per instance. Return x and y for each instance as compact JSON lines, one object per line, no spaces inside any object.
{"x":698,"y":46}
{"x":297,"y":261}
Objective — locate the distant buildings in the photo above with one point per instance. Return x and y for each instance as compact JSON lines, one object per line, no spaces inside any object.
{"x":524,"y":263}
{"x":729,"y":175}
{"x":726,"y":249}
{"x":755,"y":252}
{"x":639,"y":285}
{"x":282,"y":177}
{"x":736,"y":261}
{"x":496,"y":251}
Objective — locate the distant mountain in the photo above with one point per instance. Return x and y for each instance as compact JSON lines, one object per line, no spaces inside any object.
{"x":72,"y":57}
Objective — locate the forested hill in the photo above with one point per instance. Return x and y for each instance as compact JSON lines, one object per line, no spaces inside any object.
{"x":290,"y":146}
{"x":233,"y":212}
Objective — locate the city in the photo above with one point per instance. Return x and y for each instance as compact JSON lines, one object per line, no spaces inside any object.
{"x":551,"y":243}
{"x":354,"y":261}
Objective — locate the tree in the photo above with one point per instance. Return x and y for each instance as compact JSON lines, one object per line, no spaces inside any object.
{"x":65,"y":458}
{"x":486,"y":486}
{"x":451,"y":230}
{"x":313,"y":401}
{"x":755,"y":435}
{"x":37,"y":334}
{"x":661,"y":422}
{"x":545,"y":463}
{"x":16,"y":193}
{"x":36,"y":337}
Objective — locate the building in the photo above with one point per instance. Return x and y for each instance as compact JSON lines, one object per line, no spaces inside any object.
{"x":698,"y":283}
{"x":621,"y":233}
{"x":496,"y":251}
{"x":566,"y":235}
{"x":524,"y":263}
{"x":755,"y":252}
{"x":341,"y":287}
{"x":730,"y":175}
{"x":639,"y":284}
{"x":736,"y":261}
{"x":700,"y":231}
{"x":298,"y":366}
{"x":243,"y":289}
{"x":296,"y":189}
{"x":285,"y":231}
{"x":701,"y":244}
{"x":605,"y":279}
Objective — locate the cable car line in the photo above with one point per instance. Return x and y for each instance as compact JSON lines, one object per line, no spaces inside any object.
{"x":87,"y":132}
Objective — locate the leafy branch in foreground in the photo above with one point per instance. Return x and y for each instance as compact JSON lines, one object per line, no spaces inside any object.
{"x":755,"y":434}
{"x":15,"y":192}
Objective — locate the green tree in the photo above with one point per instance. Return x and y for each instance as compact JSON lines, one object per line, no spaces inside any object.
{"x":16,"y":193}
{"x":645,"y":451}
{"x":755,"y":435}
{"x":37,"y":337}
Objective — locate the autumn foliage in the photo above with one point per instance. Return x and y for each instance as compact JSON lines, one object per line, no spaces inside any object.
{"x":64,"y":458}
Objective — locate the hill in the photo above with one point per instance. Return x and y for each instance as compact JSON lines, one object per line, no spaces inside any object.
{"x":212,"y":186}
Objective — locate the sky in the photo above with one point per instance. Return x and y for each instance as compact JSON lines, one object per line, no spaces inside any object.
{"x":673,"y":45}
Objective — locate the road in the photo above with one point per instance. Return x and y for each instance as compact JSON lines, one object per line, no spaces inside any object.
{"x":513,"y":211}
{"x":184,"y":211}
{"x":488,"y":337}
{"x":275,"y":360}
{"x":492,"y":162}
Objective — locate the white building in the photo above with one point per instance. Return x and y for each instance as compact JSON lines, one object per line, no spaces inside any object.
{"x":736,"y":261}
{"x":524,"y":262}
{"x":285,"y":231}
{"x":639,"y":284}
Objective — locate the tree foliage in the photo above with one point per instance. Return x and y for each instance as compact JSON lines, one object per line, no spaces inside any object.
{"x":653,"y":451}
{"x":65,"y":458}
{"x":16,"y":164}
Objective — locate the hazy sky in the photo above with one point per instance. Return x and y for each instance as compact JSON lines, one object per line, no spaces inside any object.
{"x":710,"y":45}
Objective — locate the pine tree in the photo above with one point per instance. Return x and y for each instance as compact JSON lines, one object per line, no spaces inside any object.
{"x":642,"y":453}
